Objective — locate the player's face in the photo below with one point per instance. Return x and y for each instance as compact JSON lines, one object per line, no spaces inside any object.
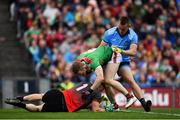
{"x":123,"y":28}
{"x":82,"y":71}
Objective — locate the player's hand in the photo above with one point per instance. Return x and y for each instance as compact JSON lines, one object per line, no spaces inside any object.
{"x":117,"y":50}
{"x":109,"y":108}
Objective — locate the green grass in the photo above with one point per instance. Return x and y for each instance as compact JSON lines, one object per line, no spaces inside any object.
{"x":124,"y":114}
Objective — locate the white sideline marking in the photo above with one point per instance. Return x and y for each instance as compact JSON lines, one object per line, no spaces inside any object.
{"x":155,"y":113}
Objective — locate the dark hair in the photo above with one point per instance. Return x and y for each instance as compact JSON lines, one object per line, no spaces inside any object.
{"x":76,"y":66}
{"x":124,"y":20}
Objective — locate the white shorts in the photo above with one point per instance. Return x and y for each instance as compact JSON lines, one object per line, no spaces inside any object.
{"x":116,"y":58}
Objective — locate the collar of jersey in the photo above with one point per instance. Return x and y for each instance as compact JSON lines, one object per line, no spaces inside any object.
{"x":85,"y":59}
{"x":120,"y":34}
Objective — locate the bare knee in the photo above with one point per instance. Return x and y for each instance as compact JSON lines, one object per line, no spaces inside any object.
{"x":102,"y":80}
{"x":107,"y":82}
{"x":131,"y":82}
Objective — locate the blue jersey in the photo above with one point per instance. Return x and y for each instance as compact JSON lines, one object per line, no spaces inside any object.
{"x":113,"y":37}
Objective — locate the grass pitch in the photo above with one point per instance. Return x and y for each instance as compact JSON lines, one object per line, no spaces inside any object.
{"x":124,"y":114}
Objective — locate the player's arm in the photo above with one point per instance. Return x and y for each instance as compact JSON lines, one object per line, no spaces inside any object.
{"x":133,"y":47}
{"x":95,"y":106}
{"x":99,"y":78}
{"x":106,"y":39}
{"x":132,"y":51}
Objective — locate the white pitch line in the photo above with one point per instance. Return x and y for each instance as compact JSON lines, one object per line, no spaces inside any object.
{"x":169,"y":114}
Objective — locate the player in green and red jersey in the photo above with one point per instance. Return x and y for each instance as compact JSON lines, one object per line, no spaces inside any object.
{"x":95,"y":60}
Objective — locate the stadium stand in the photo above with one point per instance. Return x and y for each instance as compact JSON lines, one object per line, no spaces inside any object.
{"x":15,"y":63}
{"x":56,"y":31}
{"x":13,"y":56}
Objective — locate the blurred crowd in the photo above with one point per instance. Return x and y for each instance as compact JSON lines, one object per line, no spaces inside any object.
{"x":55,"y":32}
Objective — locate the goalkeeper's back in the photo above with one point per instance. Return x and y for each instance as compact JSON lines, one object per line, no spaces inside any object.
{"x":73,"y":97}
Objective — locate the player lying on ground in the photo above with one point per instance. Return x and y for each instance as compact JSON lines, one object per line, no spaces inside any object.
{"x":94,"y":60}
{"x":60,"y":101}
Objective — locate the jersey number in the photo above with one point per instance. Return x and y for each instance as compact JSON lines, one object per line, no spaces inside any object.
{"x":81,"y":87}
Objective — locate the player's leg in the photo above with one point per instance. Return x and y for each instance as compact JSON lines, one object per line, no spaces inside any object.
{"x":53,"y":102}
{"x":18,"y":103}
{"x":15,"y":102}
{"x":127,"y":75}
{"x":31,"y":97}
{"x":110,"y":93}
{"x":110,"y":71}
{"x":34,"y":108}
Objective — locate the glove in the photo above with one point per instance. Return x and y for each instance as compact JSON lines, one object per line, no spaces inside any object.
{"x":117,"y":50}
{"x":109,"y":108}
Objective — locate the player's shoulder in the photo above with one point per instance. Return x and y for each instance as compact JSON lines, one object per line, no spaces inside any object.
{"x":111,"y":31}
{"x":80,"y":56}
{"x":132,"y":33}
{"x":102,"y":47}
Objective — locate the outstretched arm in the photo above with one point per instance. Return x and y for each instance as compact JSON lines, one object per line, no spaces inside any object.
{"x":99,"y":78}
{"x":132,"y":51}
{"x":95,"y":106}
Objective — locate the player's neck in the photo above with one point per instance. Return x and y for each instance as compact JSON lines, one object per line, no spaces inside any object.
{"x":127,"y":32}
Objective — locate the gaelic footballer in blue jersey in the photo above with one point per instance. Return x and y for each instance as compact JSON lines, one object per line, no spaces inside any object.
{"x":123,"y":40}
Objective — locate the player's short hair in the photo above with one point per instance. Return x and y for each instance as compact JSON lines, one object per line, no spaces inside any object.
{"x":124,"y":20}
{"x":76,"y":66}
